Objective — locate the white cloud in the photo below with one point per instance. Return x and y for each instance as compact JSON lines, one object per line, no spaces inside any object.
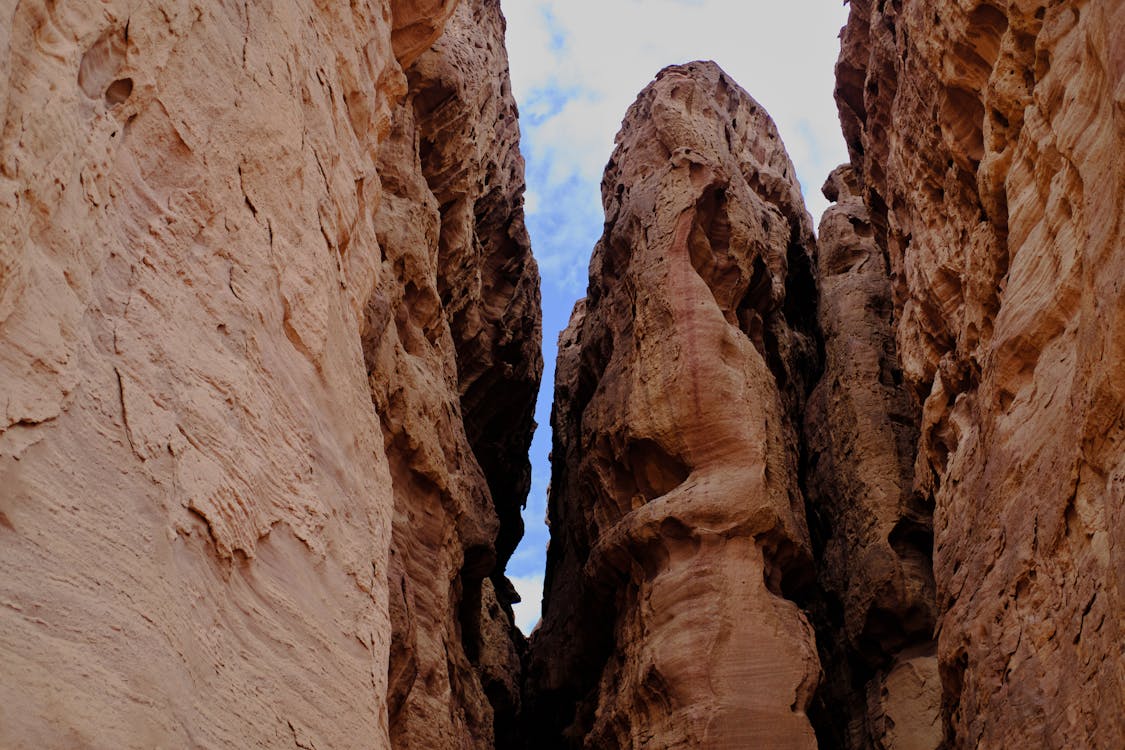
{"x":527,"y":611}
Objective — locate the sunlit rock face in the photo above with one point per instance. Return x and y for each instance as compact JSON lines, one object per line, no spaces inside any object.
{"x":270,"y":343}
{"x":985,"y":141}
{"x":678,"y":526}
{"x":228,"y":375}
{"x":937,"y":394}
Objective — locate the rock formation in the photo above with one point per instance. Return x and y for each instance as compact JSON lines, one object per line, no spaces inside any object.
{"x":986,"y":143}
{"x":960,"y":461}
{"x":876,"y":610}
{"x":250,"y":317}
{"x":678,"y":526}
{"x":269,"y":345}
{"x":453,"y":349}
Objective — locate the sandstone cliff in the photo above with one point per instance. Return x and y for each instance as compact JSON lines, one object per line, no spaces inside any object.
{"x":678,"y":526}
{"x":269,"y":345}
{"x":453,"y":348}
{"x":986,"y":143}
{"x":248,"y":322}
{"x":958,"y":464}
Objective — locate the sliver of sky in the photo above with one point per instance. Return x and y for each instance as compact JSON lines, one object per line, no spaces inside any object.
{"x":576,"y":67}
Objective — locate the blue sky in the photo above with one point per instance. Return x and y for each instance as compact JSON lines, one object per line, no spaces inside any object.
{"x":576,"y":67}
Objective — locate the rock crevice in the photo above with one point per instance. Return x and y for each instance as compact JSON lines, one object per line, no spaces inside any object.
{"x":452,"y":345}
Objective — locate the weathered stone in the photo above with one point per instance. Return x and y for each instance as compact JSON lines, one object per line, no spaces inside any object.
{"x":199,"y":226}
{"x":269,"y":344}
{"x":677,"y":521}
{"x":876,"y":532}
{"x":987,"y":141}
{"x":453,"y":348}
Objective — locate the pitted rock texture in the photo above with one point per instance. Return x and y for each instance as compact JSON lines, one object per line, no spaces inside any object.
{"x":987,"y":141}
{"x":453,"y":346}
{"x":196,"y":490}
{"x":678,"y":526}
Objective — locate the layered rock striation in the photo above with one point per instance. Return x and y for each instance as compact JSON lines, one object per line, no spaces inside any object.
{"x":249,"y":317}
{"x":270,"y":342}
{"x":985,"y":142}
{"x":452,"y":344}
{"x":678,"y":523}
{"x":958,"y":464}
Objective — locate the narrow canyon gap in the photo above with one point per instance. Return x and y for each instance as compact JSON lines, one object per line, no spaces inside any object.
{"x":270,"y":343}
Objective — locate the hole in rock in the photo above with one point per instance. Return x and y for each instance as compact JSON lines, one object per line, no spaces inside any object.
{"x":655,"y":471}
{"x":962,"y":117}
{"x":119,"y":91}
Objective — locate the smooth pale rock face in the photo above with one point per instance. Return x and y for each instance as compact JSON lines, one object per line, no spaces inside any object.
{"x":904,"y":705}
{"x":987,"y":139}
{"x":453,"y":346}
{"x":196,"y":501}
{"x":677,"y":523}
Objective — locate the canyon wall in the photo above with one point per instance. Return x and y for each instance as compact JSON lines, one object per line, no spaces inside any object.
{"x":986,"y":142}
{"x":453,"y":348}
{"x":678,"y":524}
{"x":915,"y":432}
{"x":250,"y":316}
{"x":270,"y":343}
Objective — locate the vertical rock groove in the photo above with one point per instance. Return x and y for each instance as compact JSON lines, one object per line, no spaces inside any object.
{"x":453,"y":351}
{"x":876,"y":610}
{"x":985,"y":143}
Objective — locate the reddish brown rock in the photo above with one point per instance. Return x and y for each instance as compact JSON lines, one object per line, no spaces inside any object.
{"x":987,"y":141}
{"x":196,"y":491}
{"x":677,"y":521}
{"x":269,"y":342}
{"x":878,"y":601}
{"x":415,"y":24}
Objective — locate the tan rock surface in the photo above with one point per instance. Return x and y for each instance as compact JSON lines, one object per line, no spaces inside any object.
{"x":453,"y":346}
{"x":269,"y":344}
{"x":677,"y":522}
{"x":988,"y":140}
{"x":195,"y":496}
{"x":904,"y":704}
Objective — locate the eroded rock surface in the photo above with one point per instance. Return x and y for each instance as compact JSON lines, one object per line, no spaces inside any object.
{"x":269,"y":343}
{"x":987,"y":141}
{"x":678,"y":526}
{"x":453,"y":346}
{"x":209,"y":308}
